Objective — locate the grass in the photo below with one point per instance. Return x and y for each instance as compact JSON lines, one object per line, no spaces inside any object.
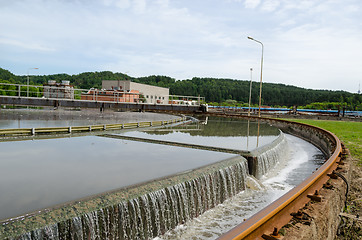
{"x":350,"y":133}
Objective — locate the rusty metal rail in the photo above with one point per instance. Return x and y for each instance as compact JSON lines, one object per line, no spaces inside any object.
{"x":265,"y":224}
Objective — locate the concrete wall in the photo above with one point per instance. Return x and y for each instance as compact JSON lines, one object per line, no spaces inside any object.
{"x":320,"y":219}
{"x":324,"y":216}
{"x":22,"y":101}
{"x":101,"y":213}
{"x":308,"y":133}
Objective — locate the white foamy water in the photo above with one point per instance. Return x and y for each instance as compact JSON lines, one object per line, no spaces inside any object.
{"x":300,"y":160}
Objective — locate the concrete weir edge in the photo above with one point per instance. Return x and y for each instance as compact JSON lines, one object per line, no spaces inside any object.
{"x":311,"y":210}
{"x":323,"y":226}
{"x":16,"y":227}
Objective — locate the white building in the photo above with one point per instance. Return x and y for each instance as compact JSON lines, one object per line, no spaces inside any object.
{"x":58,"y":90}
{"x":151,"y":94}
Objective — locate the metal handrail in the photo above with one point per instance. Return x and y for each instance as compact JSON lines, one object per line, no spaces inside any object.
{"x":94,"y":94}
{"x":87,"y":128}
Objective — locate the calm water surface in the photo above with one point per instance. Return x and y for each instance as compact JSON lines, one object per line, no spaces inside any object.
{"x":40,"y":173}
{"x":29,"y":118}
{"x":36,"y":174}
{"x":217,"y":132}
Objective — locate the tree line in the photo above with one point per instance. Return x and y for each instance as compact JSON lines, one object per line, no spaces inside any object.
{"x":215,"y":90}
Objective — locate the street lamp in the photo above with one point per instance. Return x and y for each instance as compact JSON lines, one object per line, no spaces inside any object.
{"x":27,"y":82}
{"x":261,"y":68}
{"x":251,"y":78}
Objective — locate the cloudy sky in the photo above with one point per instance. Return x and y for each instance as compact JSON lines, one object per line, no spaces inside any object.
{"x":308,"y":43}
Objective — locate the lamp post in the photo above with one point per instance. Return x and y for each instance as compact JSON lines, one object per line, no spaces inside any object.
{"x":27,"y":82}
{"x":261,"y":68}
{"x":251,"y":78}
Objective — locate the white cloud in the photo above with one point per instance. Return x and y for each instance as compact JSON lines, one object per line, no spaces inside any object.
{"x":309,"y":43}
{"x":251,"y":3}
{"x":163,"y":3}
{"x":139,"y":6}
{"x":25,"y":45}
{"x":289,"y":22}
{"x":123,"y":4}
{"x":270,"y":5}
{"x":299,"y":5}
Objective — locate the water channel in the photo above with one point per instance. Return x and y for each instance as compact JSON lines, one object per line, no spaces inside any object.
{"x":215,"y":132}
{"x":301,"y":161}
{"x":36,"y":174}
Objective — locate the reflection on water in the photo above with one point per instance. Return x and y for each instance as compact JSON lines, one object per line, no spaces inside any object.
{"x":27,"y":118}
{"x":218,"y":132}
{"x":41,"y":173}
{"x":38,"y":174}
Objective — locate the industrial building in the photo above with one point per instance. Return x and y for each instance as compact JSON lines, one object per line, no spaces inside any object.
{"x":112,"y":95}
{"x":151,"y":94}
{"x":58,"y":90}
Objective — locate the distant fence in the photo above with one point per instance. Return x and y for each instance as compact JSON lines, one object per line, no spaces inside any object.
{"x":286,"y":110}
{"x":93,"y":95}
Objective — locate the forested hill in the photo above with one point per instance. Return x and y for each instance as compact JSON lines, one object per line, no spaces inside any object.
{"x":214,"y":90}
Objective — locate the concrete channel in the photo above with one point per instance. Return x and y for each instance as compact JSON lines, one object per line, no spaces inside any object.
{"x":262,"y":224}
{"x":277,"y":220}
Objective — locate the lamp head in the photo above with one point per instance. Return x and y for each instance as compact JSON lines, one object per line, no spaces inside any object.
{"x":250,"y":38}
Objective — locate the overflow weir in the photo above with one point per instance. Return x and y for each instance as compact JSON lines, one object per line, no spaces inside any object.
{"x":147,"y":210}
{"x":267,"y":222}
{"x":260,"y":160}
{"x":142,"y":211}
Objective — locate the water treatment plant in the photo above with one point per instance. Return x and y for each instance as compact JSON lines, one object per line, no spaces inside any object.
{"x":89,"y":175}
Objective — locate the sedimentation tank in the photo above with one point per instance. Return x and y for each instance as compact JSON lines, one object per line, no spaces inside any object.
{"x":149,"y":209}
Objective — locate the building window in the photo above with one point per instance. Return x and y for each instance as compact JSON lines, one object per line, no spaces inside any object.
{"x":151,"y":97}
{"x":146,"y":96}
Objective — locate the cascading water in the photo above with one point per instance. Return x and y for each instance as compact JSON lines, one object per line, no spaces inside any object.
{"x":154,"y":213}
{"x":289,"y":172}
{"x":268,"y":158}
{"x":162,"y":208}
